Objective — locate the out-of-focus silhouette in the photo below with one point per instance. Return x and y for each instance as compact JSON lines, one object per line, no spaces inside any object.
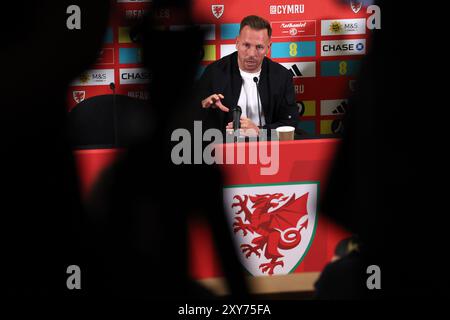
{"x":132,"y":240}
{"x":41,"y":221}
{"x":109,"y":121}
{"x":385,"y":182}
{"x":341,"y":278}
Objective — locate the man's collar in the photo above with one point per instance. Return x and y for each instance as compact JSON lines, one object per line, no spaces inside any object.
{"x":235,"y":64}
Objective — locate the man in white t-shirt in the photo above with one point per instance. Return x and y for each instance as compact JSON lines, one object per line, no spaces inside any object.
{"x":263,"y":89}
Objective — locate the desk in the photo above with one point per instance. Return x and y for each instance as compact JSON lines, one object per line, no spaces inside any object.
{"x":303,"y":169}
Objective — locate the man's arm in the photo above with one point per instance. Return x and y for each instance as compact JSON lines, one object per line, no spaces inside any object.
{"x":206,"y":94}
{"x":208,"y":100}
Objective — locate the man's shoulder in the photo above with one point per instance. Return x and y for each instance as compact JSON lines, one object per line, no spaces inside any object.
{"x":276,"y":69}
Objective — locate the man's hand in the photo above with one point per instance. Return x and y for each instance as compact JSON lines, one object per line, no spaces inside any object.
{"x":248,"y":128}
{"x":213,"y":101}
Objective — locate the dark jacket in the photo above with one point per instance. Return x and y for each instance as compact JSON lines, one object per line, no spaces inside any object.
{"x":275,"y":86}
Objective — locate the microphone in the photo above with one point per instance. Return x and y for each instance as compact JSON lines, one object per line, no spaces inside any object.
{"x":236,"y":118}
{"x":112,"y":86}
{"x":255,"y":80}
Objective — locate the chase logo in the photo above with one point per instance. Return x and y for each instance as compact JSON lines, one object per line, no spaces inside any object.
{"x":343,"y":27}
{"x":343,"y":47}
{"x":134,"y":76}
{"x":342,"y":68}
{"x":293,"y":49}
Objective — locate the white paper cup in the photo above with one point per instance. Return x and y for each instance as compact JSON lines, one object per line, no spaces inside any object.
{"x":285,"y":133}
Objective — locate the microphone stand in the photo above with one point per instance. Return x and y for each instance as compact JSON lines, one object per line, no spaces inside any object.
{"x":255,"y":79}
{"x":236,"y":121}
{"x":112,"y":86}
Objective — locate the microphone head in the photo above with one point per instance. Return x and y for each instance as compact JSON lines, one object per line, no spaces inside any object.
{"x":255,"y":80}
{"x":239,"y":109}
{"x":112,"y":85}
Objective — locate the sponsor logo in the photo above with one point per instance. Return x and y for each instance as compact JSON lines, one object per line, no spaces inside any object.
{"x":331,"y":126}
{"x":209,"y":52}
{"x":307,"y":127}
{"x":127,"y":35}
{"x":342,"y":68}
{"x":343,"y":27}
{"x":124,"y":35}
{"x":106,"y":56}
{"x":226,"y":49}
{"x":217,"y":10}
{"x":209,"y":30}
{"x":337,"y":126}
{"x":293,"y":49}
{"x":333,"y":107}
{"x":294,"y":29}
{"x":78,"y":95}
{"x":343,"y":47}
{"x":143,"y":95}
{"x":356,"y":5}
{"x":273,"y":225}
{"x":287,"y":9}
{"x":134,"y":76}
{"x":130,"y":55}
{"x":229,"y":31}
{"x":95,"y":77}
{"x":301,"y":69}
{"x":307,"y":108}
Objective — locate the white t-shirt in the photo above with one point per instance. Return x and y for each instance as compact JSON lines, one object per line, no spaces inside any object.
{"x":248,"y":99}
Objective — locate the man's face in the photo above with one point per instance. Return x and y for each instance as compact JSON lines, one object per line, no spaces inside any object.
{"x":252,"y":46}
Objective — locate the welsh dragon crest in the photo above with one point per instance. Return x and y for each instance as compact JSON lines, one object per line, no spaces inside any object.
{"x":275,"y":222}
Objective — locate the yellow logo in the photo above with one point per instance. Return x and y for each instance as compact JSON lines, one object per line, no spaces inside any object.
{"x":335,"y":27}
{"x":84,"y":78}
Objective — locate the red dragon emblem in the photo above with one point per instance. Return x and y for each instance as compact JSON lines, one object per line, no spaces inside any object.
{"x":274,"y":230}
{"x":78,"y":96}
{"x":356,"y":5}
{"x":217,"y":10}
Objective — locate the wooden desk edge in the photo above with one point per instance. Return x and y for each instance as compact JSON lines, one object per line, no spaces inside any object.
{"x":296,"y":282}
